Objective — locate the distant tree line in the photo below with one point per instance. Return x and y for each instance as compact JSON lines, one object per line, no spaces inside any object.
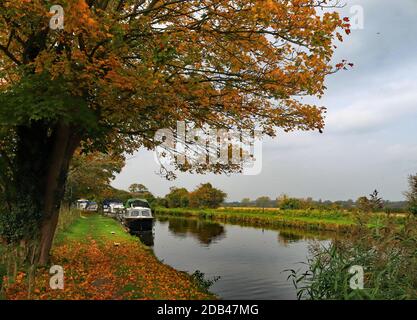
{"x":371,"y":203}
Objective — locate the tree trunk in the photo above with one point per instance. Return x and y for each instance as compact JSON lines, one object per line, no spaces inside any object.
{"x":42,"y":164}
{"x":47,"y":236}
{"x":63,"y":149}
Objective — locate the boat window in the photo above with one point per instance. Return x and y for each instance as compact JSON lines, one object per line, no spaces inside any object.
{"x":135,"y":213}
{"x":139,"y":203}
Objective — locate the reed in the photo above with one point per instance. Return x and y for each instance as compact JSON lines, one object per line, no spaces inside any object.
{"x":387,"y":254}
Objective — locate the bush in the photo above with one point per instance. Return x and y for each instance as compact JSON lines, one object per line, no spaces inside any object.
{"x":290,"y":204}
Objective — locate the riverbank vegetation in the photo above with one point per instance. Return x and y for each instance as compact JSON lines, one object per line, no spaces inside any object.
{"x":102,"y":261}
{"x":330,"y":220}
{"x":387,"y":254}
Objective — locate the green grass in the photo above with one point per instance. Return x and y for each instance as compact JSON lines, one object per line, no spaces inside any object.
{"x":332,"y":220}
{"x":93,"y":226}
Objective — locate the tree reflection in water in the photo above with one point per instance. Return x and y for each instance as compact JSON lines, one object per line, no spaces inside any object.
{"x":286,"y":236}
{"x":205,"y":232}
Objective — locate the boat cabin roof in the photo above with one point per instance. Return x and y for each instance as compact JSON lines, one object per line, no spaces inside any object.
{"x":137,"y":203}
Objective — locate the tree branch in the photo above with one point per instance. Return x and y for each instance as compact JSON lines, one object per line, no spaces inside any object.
{"x":10,"y":55}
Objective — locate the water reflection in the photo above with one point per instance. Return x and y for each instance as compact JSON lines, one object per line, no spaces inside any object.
{"x":250,"y":261}
{"x":146,"y":234}
{"x":147,"y":237}
{"x":205,"y":232}
{"x":287,"y":236}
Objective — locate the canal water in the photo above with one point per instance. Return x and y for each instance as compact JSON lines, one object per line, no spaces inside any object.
{"x":250,"y":262}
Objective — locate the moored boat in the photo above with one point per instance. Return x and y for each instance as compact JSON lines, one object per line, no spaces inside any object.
{"x":112,"y":207}
{"x":137,"y":215}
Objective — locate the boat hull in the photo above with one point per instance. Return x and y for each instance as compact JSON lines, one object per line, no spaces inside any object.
{"x":141,"y":224}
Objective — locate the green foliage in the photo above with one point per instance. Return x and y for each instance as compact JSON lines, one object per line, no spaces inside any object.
{"x":37,"y":97}
{"x":387,"y":254}
{"x":160,"y":202}
{"x":206,"y":196}
{"x":201,"y":281}
{"x":286,"y":203}
{"x":19,"y":221}
{"x":178,"y":198}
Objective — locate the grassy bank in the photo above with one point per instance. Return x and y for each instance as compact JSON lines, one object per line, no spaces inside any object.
{"x":102,"y":261}
{"x":340,"y":221}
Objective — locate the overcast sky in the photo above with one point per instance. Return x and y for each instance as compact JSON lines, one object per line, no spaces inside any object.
{"x":370,"y":137}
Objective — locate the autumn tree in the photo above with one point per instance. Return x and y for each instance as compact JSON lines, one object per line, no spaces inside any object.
{"x":178,"y":198}
{"x":206,"y":196}
{"x":120,"y":70}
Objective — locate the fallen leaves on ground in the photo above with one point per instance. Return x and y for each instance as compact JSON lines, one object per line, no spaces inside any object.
{"x":102,"y":271}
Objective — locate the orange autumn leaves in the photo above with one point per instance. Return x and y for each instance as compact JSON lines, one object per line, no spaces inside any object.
{"x":102,"y":271}
{"x":144,"y":65}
